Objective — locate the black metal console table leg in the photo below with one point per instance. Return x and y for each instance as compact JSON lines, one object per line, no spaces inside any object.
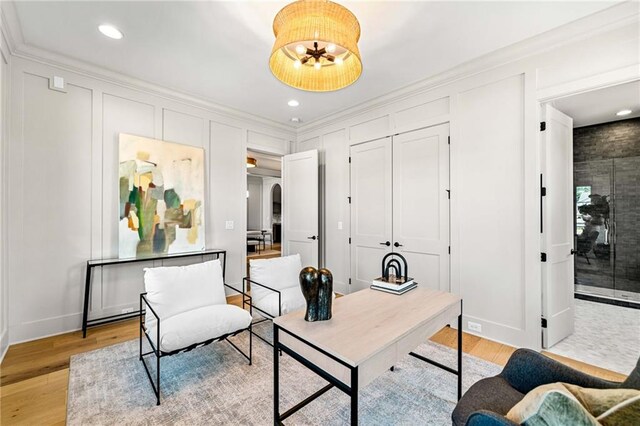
{"x":276,"y":378}
{"x":460,"y":353}
{"x":85,"y":311}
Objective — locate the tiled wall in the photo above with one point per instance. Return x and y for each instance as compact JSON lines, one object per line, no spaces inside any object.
{"x":609,"y":155}
{"x":604,"y":141}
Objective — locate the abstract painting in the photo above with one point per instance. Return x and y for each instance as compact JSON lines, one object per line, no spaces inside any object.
{"x":161,"y":197}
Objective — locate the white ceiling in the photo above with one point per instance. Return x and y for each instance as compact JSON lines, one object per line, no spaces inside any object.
{"x":600,"y":106}
{"x":219,"y":50}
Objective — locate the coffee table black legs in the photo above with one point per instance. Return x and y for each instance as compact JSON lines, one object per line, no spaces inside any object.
{"x":352,"y":390}
{"x":276,"y":378}
{"x":354,"y":396}
{"x":457,"y":372}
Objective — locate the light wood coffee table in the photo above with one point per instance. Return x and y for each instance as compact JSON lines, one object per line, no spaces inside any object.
{"x":369,"y":333}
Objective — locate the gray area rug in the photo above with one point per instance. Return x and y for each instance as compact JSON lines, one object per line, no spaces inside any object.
{"x":215,"y":385}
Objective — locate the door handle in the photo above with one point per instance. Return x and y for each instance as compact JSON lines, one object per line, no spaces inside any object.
{"x":397,"y":244}
{"x":573,"y":251}
{"x":386,"y":244}
{"x":312,"y":238}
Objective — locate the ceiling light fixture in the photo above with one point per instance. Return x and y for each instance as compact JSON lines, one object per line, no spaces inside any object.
{"x":295,"y":120}
{"x":293,"y":103}
{"x":624,"y":112}
{"x":110,"y":31}
{"x":316,"y":47}
{"x":251,"y":162}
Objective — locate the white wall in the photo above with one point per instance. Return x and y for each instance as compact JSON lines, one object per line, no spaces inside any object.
{"x":492,"y":107}
{"x":4,"y":129}
{"x":62,"y":189}
{"x":254,"y":202}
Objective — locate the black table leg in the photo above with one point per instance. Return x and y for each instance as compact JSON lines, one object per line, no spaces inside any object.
{"x":276,"y":378}
{"x":87,"y":291}
{"x":354,"y":396}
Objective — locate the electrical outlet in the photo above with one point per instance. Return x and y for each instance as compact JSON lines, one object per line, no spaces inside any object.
{"x":474,"y":326}
{"x":339,"y":225}
{"x":228,"y":224}
{"x":127,"y":310}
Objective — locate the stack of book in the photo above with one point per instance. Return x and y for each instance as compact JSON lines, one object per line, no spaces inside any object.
{"x":394,"y":285}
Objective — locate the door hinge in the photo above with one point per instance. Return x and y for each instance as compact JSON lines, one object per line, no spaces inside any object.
{"x":543,"y":322}
{"x":349,"y":200}
{"x":543,"y":126}
{"x":349,"y":160}
{"x":543,"y":191}
{"x":349,"y":281}
{"x":448,"y":193}
{"x":349,"y":240}
{"x":449,"y":249}
{"x":543,"y":257}
{"x":449,"y":140}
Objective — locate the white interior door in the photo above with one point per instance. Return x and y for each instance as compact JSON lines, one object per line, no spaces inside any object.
{"x":557,"y":227}
{"x":371,"y":210}
{"x":300,"y":206}
{"x":421,"y":204}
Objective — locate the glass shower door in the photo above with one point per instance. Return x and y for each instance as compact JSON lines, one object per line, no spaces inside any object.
{"x":607,"y":228}
{"x":594,"y":268}
{"x":626,"y":224}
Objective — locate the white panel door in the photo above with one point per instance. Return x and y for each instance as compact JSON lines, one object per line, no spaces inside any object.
{"x":421,"y":204}
{"x":371,"y":210}
{"x":300,"y":206}
{"x":557,"y":226}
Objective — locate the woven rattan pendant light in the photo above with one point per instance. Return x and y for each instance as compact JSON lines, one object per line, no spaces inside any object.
{"x":316,"y":47}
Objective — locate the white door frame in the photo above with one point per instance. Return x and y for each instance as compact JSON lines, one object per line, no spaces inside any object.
{"x":550,"y":94}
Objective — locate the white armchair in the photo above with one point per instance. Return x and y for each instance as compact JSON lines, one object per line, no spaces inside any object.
{"x":186,"y":307}
{"x":275,"y":287}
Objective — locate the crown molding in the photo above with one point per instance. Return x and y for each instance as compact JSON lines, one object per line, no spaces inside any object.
{"x":12,"y":32}
{"x":617,"y":16}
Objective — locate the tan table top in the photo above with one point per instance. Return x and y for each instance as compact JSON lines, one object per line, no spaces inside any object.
{"x":365,"y":322}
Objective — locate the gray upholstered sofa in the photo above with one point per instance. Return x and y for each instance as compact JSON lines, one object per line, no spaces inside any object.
{"x":489,"y":400}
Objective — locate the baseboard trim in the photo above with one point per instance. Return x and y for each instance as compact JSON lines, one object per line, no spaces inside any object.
{"x":607,"y":300}
{"x":4,"y":344}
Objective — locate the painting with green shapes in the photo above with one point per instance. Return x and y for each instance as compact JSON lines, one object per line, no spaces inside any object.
{"x":161,"y":197}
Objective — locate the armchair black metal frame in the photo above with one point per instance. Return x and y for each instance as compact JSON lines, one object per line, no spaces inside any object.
{"x":267,"y":316}
{"x":155,"y":349}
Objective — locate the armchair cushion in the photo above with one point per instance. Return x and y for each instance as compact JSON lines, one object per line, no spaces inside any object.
{"x":292,"y":300}
{"x":278,"y":273}
{"x":177,"y":289}
{"x":199,"y":325}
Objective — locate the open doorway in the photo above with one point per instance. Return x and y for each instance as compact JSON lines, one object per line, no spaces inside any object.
{"x":264,"y":206}
{"x":605,"y":224}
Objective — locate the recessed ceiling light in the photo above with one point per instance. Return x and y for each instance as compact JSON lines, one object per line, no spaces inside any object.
{"x":110,"y":31}
{"x":293,"y":103}
{"x":624,"y":112}
{"x":295,"y":120}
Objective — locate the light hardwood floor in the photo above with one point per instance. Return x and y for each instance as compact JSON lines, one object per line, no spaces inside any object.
{"x":34,"y":375}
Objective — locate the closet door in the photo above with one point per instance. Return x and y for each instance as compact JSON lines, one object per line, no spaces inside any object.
{"x":421,"y":204}
{"x":371,"y":209}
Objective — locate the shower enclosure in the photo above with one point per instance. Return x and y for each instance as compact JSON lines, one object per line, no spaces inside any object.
{"x":607,"y":228}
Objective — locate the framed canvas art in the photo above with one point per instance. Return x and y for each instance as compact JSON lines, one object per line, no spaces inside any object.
{"x":161,"y":197}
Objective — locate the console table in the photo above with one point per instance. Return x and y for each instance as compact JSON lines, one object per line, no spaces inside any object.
{"x":86,"y":323}
{"x":370,"y":332}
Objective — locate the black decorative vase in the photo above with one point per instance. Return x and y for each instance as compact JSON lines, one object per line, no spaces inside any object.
{"x":317,"y":289}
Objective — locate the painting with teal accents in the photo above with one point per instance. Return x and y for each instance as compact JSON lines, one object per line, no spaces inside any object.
{"x":161,"y":197}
